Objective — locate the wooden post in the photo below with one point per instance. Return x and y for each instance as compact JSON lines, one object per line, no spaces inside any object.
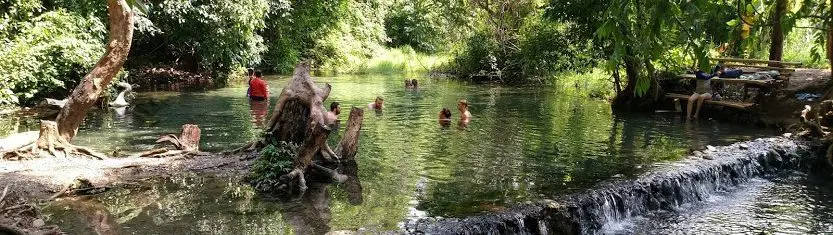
{"x":349,"y":144}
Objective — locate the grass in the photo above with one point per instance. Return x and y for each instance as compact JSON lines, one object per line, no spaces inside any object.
{"x":403,"y":60}
{"x":595,"y":83}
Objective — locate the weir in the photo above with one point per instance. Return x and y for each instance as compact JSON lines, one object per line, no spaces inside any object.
{"x":662,"y":188}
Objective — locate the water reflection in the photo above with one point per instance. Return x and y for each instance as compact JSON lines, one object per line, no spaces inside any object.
{"x":211,"y":205}
{"x":259,"y":111}
{"x":526,"y":143}
{"x":311,"y":213}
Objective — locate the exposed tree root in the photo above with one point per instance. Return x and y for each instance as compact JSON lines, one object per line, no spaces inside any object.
{"x":816,"y":129}
{"x":48,"y":144}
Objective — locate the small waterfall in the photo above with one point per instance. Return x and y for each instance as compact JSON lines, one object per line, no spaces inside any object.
{"x":609,"y":203}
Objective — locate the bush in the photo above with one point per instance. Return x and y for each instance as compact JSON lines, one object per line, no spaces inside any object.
{"x":414,"y":25}
{"x":49,"y":57}
{"x":541,"y":48}
{"x":202,"y":36}
{"x":274,"y":162}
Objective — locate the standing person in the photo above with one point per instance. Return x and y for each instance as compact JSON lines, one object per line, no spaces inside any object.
{"x":702,"y":92}
{"x":250,"y":74}
{"x":259,"y":89}
{"x":465,"y":115}
{"x":377,"y":104}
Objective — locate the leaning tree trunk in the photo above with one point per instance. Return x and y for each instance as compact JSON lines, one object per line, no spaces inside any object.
{"x":776,"y":46}
{"x":84,"y":95}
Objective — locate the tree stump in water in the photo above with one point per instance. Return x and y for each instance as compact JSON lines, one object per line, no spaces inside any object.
{"x":187,"y":143}
{"x":188,"y":140}
{"x":298,"y":118}
{"x":49,"y":140}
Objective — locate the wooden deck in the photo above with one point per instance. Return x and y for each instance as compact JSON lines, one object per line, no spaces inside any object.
{"x":762,"y":83}
{"x":731,"y":104}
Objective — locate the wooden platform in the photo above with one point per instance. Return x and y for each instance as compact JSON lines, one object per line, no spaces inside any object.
{"x":766,"y":82}
{"x":731,"y":104}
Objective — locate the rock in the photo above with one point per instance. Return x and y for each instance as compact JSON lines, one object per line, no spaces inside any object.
{"x":708,"y":157}
{"x":711,"y":148}
{"x":341,"y":232}
{"x":618,"y":176}
{"x":744,"y":146}
{"x":788,"y":135}
{"x":38,"y":223}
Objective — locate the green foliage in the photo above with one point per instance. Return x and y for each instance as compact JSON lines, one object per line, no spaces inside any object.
{"x":403,"y":60}
{"x":49,"y":56}
{"x":528,"y":50}
{"x":594,"y":83}
{"x":202,"y":35}
{"x":274,"y":161}
{"x":294,"y":30}
{"x":14,"y":14}
{"x":414,"y":24}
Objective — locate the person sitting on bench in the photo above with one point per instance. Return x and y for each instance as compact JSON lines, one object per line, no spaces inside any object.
{"x":701,"y":93}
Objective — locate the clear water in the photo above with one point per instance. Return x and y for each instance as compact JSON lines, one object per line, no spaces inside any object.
{"x":794,"y":203}
{"x":524,"y":143}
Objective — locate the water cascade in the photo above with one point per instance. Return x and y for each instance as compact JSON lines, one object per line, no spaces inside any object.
{"x":662,"y":188}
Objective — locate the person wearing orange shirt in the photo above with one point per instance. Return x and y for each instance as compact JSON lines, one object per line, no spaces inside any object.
{"x":259,"y":89}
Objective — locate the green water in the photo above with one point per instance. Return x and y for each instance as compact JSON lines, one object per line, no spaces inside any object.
{"x":524,"y":143}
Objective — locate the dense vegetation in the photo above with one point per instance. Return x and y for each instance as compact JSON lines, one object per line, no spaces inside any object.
{"x":48,"y":45}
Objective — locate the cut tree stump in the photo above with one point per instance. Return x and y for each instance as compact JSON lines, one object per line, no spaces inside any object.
{"x":186,"y":144}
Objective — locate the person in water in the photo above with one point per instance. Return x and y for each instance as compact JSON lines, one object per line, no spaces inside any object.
{"x":378,"y":104}
{"x":465,"y":115}
{"x":258,"y":87}
{"x":702,"y":92}
{"x":414,"y":84}
{"x":408,"y":83}
{"x":250,"y":74}
{"x":445,"y":117}
{"x":332,"y":115}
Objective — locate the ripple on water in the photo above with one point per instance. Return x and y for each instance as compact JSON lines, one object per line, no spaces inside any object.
{"x":524,"y":143}
{"x":794,"y":203}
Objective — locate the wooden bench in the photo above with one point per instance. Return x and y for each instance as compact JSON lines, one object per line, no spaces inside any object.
{"x":731,"y":104}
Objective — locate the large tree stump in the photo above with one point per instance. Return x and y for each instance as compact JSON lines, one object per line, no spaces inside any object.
{"x":298,"y":118}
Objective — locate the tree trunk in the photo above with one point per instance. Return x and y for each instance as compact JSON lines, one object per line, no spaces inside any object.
{"x":349,"y":144}
{"x":830,"y":46}
{"x":84,"y":95}
{"x":776,"y":46}
{"x":299,"y":118}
